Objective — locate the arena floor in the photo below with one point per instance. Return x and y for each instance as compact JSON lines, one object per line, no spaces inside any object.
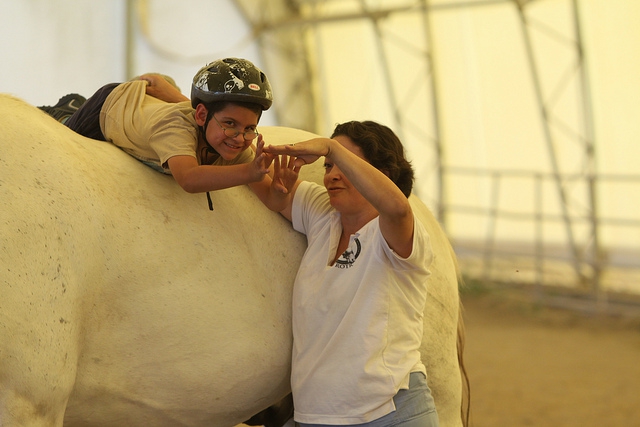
{"x":533,"y":365}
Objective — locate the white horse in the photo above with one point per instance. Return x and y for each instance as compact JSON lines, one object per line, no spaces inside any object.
{"x":125,"y":301}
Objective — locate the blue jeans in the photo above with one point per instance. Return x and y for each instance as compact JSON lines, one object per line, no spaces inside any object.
{"x":414,"y":408}
{"x":86,"y":120}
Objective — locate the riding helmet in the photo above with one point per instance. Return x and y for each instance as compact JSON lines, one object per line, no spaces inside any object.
{"x":231,"y":79}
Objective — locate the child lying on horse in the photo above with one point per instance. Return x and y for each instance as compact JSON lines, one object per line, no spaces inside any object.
{"x":150,"y":119}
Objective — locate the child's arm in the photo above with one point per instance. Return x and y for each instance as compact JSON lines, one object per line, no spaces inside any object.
{"x":195,"y":178}
{"x":277,"y":192}
{"x":159,"y":87}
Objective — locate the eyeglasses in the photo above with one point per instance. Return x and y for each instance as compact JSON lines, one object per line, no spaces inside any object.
{"x":233,"y":132}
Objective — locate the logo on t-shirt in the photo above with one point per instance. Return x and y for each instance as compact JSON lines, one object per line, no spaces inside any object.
{"x":350,"y":255}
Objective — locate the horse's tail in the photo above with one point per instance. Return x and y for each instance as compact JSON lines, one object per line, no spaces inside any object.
{"x":465,"y":404}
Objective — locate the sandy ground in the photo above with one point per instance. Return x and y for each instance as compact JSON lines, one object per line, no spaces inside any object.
{"x":531,"y":365}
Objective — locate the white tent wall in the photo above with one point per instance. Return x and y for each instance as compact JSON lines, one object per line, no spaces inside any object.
{"x":493,"y":126}
{"x":51,"y":48}
{"x":453,"y":79}
{"x":516,"y":127}
{"x":177,"y":38}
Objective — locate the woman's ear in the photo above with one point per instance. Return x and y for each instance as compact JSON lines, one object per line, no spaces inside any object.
{"x":201,"y":114}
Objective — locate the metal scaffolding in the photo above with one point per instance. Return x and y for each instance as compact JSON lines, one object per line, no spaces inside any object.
{"x":286,"y":32}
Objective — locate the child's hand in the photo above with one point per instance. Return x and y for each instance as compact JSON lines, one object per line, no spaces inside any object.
{"x":261,"y":161}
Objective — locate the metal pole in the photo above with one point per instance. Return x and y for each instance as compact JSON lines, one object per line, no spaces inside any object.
{"x":539,"y":233}
{"x":496,"y":182}
{"x":374,"y":18}
{"x":577,"y":258}
{"x":440,"y":213}
{"x":129,"y":39}
{"x":591,"y":174}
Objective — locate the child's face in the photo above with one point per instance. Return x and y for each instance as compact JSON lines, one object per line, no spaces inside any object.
{"x":232,"y":117}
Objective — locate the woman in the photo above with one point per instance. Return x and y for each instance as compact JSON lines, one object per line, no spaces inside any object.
{"x":360,"y":291}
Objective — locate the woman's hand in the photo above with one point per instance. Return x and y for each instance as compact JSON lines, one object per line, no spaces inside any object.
{"x":305,"y":152}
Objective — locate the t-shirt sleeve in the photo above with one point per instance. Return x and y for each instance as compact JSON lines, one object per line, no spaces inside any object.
{"x":421,"y":252}
{"x":310,"y":205}
{"x":245,"y":156}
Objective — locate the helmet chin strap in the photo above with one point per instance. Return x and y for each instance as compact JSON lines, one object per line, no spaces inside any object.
{"x":203,"y":130}
{"x":208,"y":149}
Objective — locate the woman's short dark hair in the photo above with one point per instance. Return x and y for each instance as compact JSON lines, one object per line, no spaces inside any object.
{"x":382,"y":148}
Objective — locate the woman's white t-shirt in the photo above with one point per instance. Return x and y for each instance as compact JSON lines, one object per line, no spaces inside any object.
{"x":357,"y":324}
